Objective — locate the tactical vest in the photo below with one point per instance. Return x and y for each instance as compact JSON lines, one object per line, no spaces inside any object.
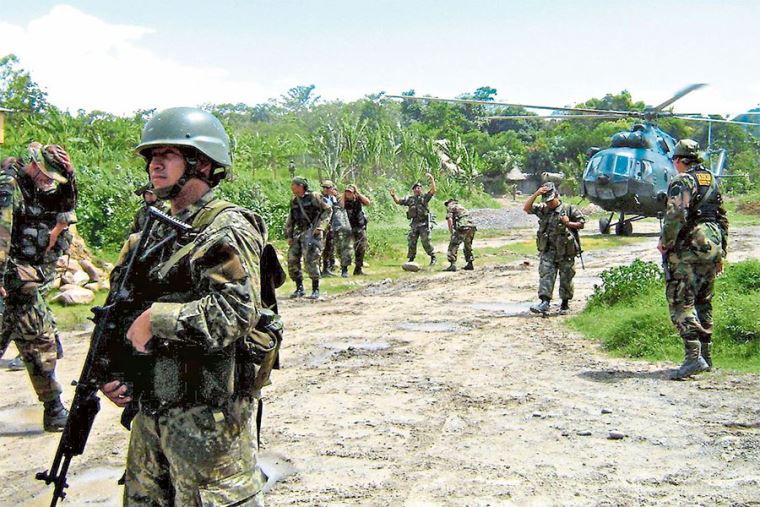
{"x":187,"y":376}
{"x":461,"y":218}
{"x":706,"y":203}
{"x":33,"y":224}
{"x":307,"y":214}
{"x":418,"y":210}
{"x":355,"y":211}
{"x":552,"y":234}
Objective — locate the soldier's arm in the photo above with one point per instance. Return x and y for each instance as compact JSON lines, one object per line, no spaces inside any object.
{"x":576,"y":219}
{"x":226,"y":266}
{"x":289,"y":225}
{"x":324,"y":215}
{"x":433,"y":188}
{"x":677,"y":210}
{"x":528,"y":206}
{"x":362,"y":198}
{"x":9,"y":195}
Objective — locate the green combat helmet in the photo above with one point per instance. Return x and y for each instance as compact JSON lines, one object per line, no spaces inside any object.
{"x":188,"y":127}
{"x":300,"y":180}
{"x":687,"y":148}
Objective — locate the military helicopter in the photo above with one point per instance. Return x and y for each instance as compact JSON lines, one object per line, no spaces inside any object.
{"x":630,"y":177}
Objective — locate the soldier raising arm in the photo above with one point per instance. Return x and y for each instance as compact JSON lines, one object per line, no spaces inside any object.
{"x":419,"y":216}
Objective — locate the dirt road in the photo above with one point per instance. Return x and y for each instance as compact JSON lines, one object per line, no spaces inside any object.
{"x":444,"y":390}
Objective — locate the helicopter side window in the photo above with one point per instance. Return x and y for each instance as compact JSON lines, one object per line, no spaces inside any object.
{"x":622,"y":166}
{"x":646,"y":171}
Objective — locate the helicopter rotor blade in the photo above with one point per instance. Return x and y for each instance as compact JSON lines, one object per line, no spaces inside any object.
{"x":680,"y":93}
{"x":558,"y":117}
{"x":711,"y":120}
{"x":507,"y":104}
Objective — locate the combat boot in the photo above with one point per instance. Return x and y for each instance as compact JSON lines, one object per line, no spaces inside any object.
{"x":327,"y":273}
{"x":692,"y":363}
{"x":314,"y":289}
{"x":299,"y":292}
{"x":16,"y":364}
{"x":706,"y":352}
{"x":564,"y":308}
{"x":542,"y":307}
{"x":433,"y":260}
{"x":452,"y":267}
{"x":469,"y":266}
{"x":54,"y":418}
{"x":344,"y":271}
{"x":358,"y":270}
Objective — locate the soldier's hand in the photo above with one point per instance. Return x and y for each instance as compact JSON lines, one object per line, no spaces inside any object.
{"x":317,"y":233}
{"x":661,"y":248}
{"x":565,"y":220}
{"x":542,"y":190}
{"x":429,"y":176}
{"x":393,"y":192}
{"x":59,"y":155}
{"x":719,"y":268}
{"x":290,"y":241}
{"x":3,"y":293}
{"x":116,"y":391}
{"x":141,"y":331}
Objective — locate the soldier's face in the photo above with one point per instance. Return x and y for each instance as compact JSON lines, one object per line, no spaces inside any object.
{"x":326,"y":191}
{"x":166,"y":167}
{"x":297,"y":189}
{"x":42,"y":181}
{"x":417,"y":190}
{"x":348,"y":195}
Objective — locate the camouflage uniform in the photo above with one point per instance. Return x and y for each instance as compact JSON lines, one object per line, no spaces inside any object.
{"x":463,"y":231}
{"x":695,"y":233}
{"x":330,"y":235}
{"x":141,"y":217}
{"x":419,"y":225}
{"x":306,"y":214}
{"x":557,"y":249}
{"x":354,"y":242}
{"x":191,"y":440}
{"x":28,"y":218}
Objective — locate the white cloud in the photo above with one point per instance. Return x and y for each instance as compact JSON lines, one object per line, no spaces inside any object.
{"x":85,"y":62}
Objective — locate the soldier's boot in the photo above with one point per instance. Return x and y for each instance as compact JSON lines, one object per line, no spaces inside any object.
{"x":542,"y":307}
{"x":299,"y":292}
{"x":314,"y":289}
{"x":452,"y":267}
{"x":54,"y":418}
{"x":16,"y":364}
{"x":358,"y":270}
{"x":564,"y":308}
{"x":706,"y":353}
{"x":411,"y":258}
{"x":433,"y":260}
{"x":327,"y":273}
{"x":469,"y":266}
{"x":692,"y":363}
{"x":344,"y":271}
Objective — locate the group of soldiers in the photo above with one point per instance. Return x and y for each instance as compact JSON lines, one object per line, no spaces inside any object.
{"x":202,"y":299}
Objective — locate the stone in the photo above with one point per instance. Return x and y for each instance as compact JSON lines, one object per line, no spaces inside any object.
{"x":95,"y":273}
{"x":410,"y":266}
{"x":616,"y":435}
{"x":75,"y":296}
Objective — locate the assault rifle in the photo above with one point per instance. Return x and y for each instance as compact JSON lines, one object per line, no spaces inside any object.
{"x":430,"y":221}
{"x":86,"y":403}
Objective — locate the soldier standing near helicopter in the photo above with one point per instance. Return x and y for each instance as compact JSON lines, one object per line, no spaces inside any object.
{"x":693,"y":242}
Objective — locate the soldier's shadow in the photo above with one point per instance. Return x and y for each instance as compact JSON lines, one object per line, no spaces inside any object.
{"x":613,"y":376}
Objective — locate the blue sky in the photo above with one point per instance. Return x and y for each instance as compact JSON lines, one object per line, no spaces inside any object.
{"x":121,"y":56}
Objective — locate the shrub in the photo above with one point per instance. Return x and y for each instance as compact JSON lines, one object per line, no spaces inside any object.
{"x":623,"y":283}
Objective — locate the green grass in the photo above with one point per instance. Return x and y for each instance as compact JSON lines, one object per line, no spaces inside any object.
{"x":640,"y":327}
{"x":70,"y":318}
{"x":736,"y":217}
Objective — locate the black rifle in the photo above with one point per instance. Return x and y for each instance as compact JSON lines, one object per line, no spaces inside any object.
{"x":86,"y":403}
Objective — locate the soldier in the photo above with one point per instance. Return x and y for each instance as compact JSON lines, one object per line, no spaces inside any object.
{"x":191,"y":437}
{"x":149,"y":199}
{"x":353,"y":201}
{"x":330,"y":196}
{"x":292,"y":168}
{"x":419,"y":216}
{"x":462,"y":229}
{"x":514,"y":191}
{"x":693,"y":242}
{"x":308,"y":217}
{"x":38,"y":194}
{"x":558,"y":243}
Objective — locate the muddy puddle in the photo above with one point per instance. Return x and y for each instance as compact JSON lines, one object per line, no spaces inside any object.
{"x":276,"y":467}
{"x":431,"y":327}
{"x":507,"y":309}
{"x":20,"y":421}
{"x":331,"y":351}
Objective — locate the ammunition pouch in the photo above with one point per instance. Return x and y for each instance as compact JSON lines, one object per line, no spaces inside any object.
{"x":256,"y":355}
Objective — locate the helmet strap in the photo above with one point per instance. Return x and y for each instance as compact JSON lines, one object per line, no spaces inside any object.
{"x":191,"y":171}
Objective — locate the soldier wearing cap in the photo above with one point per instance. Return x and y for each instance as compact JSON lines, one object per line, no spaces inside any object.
{"x":330,"y":196}
{"x":191,"y":414}
{"x":354,"y":243}
{"x":308,"y":218}
{"x":145,"y":192}
{"x":38,"y":194}
{"x":418,"y":214}
{"x":693,"y":240}
{"x":462,"y":230}
{"x":558,"y":243}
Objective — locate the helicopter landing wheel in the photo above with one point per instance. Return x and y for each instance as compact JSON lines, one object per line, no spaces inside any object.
{"x":624,"y":228}
{"x":604,"y":225}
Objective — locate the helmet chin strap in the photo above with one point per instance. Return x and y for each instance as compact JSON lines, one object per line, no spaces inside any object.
{"x":166,"y":193}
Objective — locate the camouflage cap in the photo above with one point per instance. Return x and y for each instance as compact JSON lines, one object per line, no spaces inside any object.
{"x":300,"y":180}
{"x":51,"y":159}
{"x":552,"y":193}
{"x":328,"y":184}
{"x":447,"y":201}
{"x":687,"y":148}
{"x":350,"y":188}
{"x":416,"y":184}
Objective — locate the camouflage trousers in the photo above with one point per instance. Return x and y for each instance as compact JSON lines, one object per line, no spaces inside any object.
{"x":328,"y":252}
{"x":29,"y":322}
{"x":310,"y":249}
{"x":352,"y":244}
{"x":419,"y":231}
{"x":548,"y":267}
{"x":194,"y":457}
{"x":464,"y":235}
{"x":690,"y":293}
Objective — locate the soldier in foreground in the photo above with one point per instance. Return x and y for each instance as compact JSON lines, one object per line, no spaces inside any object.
{"x":308,"y":217}
{"x":419,"y":218}
{"x":462,"y":230}
{"x":354,"y":243}
{"x":693,"y":241}
{"x":558,"y":243}
{"x":38,"y":194}
{"x":191,"y":438}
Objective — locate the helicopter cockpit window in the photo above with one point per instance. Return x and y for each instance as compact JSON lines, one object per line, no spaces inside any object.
{"x":593,"y":168}
{"x":622,"y":166}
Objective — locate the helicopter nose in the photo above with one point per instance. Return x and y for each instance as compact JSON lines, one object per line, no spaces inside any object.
{"x":603,"y":179}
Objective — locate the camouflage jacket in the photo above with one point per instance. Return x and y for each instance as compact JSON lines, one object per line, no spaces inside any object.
{"x":204,"y":297}
{"x":553,"y":236}
{"x":355,"y":211}
{"x":305,"y":212}
{"x":695,"y":220}
{"x":418,"y":207}
{"x":459,"y":216}
{"x":29,"y":217}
